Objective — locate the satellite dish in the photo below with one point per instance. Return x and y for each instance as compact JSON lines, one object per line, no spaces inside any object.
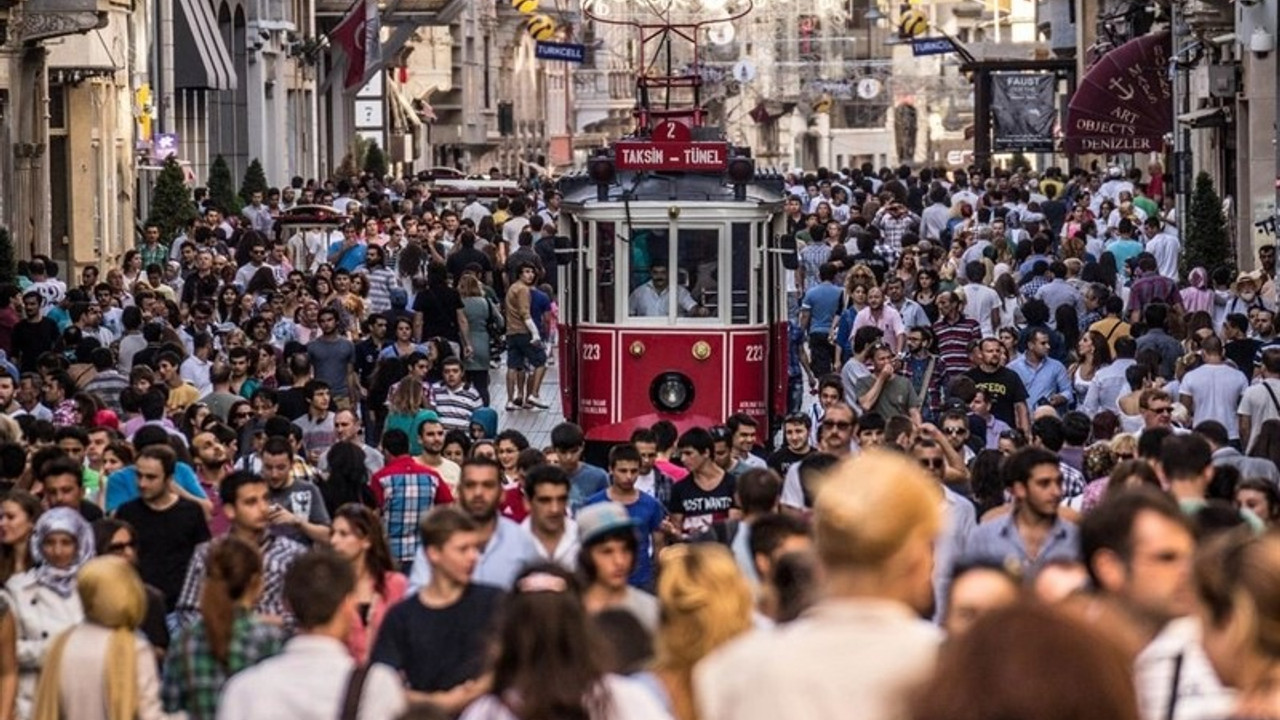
{"x":721,"y":34}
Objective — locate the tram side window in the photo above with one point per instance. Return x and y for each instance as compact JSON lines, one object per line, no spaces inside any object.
{"x":650,"y":273}
{"x":697,"y":271}
{"x":740,"y":262}
{"x":603,"y":282}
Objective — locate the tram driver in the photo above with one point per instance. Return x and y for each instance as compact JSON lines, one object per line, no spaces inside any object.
{"x":650,"y":299}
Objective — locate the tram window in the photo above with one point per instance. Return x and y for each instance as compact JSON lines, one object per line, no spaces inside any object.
{"x":740,"y":252}
{"x":697,"y":271}
{"x":650,"y":273}
{"x":763,"y":290}
{"x":603,"y":281}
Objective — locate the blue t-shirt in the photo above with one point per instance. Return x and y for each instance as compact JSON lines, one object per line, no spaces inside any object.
{"x":648,"y":514}
{"x":539,"y":306}
{"x":1124,"y":251}
{"x":586,"y":481}
{"x":823,"y":303}
{"x":351,"y":259}
{"x":122,"y":485}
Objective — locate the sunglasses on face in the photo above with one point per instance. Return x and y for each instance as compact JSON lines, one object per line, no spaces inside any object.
{"x":934,"y":463}
{"x":837,"y":425}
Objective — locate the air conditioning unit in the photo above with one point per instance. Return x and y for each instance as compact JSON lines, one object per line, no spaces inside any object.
{"x":1057,"y":19}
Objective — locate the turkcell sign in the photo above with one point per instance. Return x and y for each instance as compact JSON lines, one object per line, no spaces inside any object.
{"x":932,"y":46}
{"x":568,"y":52}
{"x":696,"y":156}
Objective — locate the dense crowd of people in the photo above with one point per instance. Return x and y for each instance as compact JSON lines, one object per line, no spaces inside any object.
{"x":1030,"y":469}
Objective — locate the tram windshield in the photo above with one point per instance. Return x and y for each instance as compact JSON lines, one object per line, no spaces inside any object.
{"x":689,"y":279}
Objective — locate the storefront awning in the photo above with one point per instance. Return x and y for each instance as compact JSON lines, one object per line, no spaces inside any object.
{"x":1124,"y":103}
{"x":196,"y":33}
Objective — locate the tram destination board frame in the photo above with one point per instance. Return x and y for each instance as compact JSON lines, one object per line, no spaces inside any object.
{"x":671,"y":156}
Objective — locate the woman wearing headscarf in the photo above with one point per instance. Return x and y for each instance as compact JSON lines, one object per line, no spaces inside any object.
{"x":43,"y":599}
{"x":102,"y":668}
{"x":1198,"y":295}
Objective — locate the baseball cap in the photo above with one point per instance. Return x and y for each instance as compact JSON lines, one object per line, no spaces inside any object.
{"x":595,"y":521}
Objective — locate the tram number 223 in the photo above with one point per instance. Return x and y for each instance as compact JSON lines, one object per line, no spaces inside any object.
{"x":755,"y":353}
{"x":591,"y":351}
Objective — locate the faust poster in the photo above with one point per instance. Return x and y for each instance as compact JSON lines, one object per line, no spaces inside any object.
{"x":1023,"y":112}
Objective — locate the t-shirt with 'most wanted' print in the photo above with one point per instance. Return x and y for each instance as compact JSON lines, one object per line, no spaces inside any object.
{"x":701,"y":508}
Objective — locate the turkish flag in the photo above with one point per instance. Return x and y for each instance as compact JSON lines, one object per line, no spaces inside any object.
{"x":350,"y":37}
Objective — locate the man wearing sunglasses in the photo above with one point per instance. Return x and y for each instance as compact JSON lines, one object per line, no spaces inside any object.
{"x":835,"y":437}
{"x":958,"y":512}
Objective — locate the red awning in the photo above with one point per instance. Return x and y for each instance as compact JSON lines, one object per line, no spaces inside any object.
{"x":1124,"y":103}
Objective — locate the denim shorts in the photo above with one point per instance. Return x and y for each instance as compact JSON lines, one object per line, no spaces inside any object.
{"x":523,"y":355}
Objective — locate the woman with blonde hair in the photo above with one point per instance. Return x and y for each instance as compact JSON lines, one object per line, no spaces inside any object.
{"x":705,"y":603}
{"x":102,"y":668}
{"x":226,"y":638}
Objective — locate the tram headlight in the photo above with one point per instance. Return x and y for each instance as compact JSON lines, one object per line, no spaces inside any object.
{"x":671,"y":392}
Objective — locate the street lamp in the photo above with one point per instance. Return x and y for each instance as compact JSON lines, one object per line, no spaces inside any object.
{"x":873,"y":16}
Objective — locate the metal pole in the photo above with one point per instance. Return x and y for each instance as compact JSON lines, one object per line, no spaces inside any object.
{"x":166,"y":81}
{"x":1181,"y":138}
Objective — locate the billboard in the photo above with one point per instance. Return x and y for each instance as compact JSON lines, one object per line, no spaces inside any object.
{"x":1023,"y":111}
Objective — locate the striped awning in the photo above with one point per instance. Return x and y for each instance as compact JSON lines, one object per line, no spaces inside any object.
{"x":201,"y":59}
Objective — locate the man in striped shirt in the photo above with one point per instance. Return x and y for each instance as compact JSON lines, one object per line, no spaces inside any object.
{"x":382,"y":280}
{"x":455,"y":398}
{"x":953,"y":334}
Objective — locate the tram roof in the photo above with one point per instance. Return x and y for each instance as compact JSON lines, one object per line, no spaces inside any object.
{"x":579,"y":190}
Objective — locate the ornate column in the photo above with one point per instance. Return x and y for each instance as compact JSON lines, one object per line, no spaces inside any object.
{"x":27,"y":200}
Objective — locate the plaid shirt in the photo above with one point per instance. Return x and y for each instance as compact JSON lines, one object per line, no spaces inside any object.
{"x":1033,"y":286}
{"x":812,"y":257}
{"x":193,"y":678}
{"x":278,"y":553}
{"x":405,"y":489}
{"x":1073,"y":482}
{"x":157,"y":255}
{"x":891,"y":231}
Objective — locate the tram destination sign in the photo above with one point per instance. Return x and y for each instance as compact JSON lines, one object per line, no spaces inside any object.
{"x":689,"y":156}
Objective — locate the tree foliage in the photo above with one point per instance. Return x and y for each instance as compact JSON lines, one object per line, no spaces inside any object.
{"x":222,"y":190}
{"x":1206,"y":243}
{"x":171,"y":203}
{"x":255,"y":180}
{"x":375,"y":161}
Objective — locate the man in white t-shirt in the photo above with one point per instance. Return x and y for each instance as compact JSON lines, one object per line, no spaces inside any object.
{"x":1212,"y":391}
{"x":515,"y":224}
{"x":1164,"y":246}
{"x":1261,"y":402}
{"x":981,"y":303}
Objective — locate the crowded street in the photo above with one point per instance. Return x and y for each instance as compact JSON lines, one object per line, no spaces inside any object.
{"x":681,"y":421}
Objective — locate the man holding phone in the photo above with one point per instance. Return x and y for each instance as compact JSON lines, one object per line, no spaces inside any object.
{"x":296,"y":508}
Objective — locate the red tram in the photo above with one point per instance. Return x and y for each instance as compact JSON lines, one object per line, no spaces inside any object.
{"x":673,"y":305}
